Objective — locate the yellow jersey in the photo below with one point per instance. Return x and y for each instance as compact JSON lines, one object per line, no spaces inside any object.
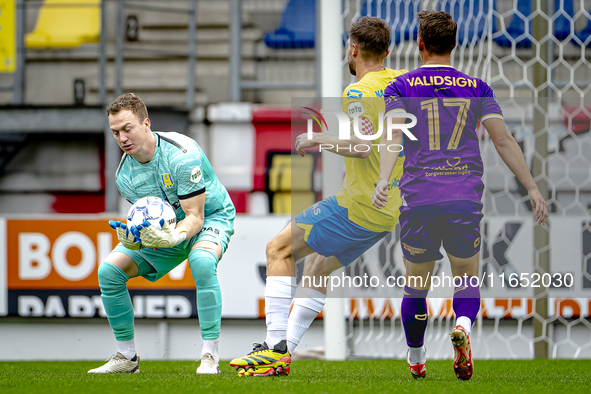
{"x":364,"y":99}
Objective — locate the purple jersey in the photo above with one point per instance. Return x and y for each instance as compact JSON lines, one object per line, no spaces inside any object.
{"x":444,"y":164}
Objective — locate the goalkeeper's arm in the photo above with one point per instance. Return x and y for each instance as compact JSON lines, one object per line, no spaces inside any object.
{"x":152,"y":237}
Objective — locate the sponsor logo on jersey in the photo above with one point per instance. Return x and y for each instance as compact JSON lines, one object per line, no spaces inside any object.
{"x":211,"y":230}
{"x":355,"y":109}
{"x":166,"y":180}
{"x":394,"y":184}
{"x":421,"y":317}
{"x":196,"y":175}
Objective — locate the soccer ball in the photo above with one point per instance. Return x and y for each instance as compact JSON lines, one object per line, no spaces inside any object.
{"x":151,"y":209}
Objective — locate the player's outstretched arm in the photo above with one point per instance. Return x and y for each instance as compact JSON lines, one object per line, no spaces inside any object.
{"x":353,"y":147}
{"x":512,"y":156}
{"x":387,"y":162}
{"x":152,"y":237}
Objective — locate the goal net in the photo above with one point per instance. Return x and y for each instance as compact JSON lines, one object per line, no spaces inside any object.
{"x":536,"y":299}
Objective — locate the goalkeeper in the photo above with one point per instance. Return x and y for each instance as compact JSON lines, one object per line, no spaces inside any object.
{"x":173,"y":167}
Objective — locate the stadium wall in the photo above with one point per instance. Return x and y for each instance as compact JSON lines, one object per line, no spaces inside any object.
{"x":51,"y":309}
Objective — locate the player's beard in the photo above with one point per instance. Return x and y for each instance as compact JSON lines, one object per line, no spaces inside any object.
{"x":352,"y":69}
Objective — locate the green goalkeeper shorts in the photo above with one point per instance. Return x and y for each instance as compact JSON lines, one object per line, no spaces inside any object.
{"x":159,"y":262}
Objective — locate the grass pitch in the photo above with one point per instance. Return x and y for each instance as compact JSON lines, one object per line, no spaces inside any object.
{"x":175,"y":377}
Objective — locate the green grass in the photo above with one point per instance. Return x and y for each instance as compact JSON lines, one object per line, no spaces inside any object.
{"x":175,"y":377}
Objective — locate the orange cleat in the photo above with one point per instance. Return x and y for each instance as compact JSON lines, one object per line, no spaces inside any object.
{"x":463,"y":364}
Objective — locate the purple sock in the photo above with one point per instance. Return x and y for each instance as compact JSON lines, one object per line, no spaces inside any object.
{"x":467,"y":298}
{"x":414,"y":315}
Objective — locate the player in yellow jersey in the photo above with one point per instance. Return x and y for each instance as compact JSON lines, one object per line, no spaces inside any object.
{"x":337,"y":230}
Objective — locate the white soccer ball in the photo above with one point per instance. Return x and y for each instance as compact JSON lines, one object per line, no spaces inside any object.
{"x":151,"y":209}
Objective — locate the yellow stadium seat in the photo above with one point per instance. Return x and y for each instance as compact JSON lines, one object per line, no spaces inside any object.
{"x":61,"y":25}
{"x":286,"y":174}
{"x":286,"y":203}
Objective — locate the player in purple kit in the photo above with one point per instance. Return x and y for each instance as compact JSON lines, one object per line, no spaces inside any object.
{"x":441,"y":186}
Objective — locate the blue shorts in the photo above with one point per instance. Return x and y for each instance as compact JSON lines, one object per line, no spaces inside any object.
{"x":424,"y":228}
{"x":329,"y":231}
{"x":153,"y":264}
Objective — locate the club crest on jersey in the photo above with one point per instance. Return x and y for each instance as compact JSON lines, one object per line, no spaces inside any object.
{"x":196,"y":175}
{"x":352,"y":93}
{"x":166,"y":180}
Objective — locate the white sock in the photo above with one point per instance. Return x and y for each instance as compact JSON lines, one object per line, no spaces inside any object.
{"x":464,"y":322}
{"x":211,"y":347}
{"x":278,"y":295}
{"x":305,"y":310}
{"x":417,"y":355}
{"x":127,"y":348}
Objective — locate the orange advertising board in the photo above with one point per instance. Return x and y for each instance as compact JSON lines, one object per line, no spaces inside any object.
{"x":65,"y":254}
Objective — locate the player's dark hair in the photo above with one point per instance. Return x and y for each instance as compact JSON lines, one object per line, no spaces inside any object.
{"x":438,"y":30}
{"x":372,"y":35}
{"x":131,"y":102}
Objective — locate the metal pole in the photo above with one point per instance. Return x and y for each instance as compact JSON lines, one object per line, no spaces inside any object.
{"x":111,"y":147}
{"x":236,"y":53}
{"x":317,"y":52}
{"x":331,"y":78}
{"x":103,"y":55}
{"x":192,"y":56}
{"x":539,"y":171}
{"x":19,"y":76}
{"x":119,"y":50}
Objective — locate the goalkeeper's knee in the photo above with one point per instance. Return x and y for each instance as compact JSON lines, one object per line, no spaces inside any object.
{"x":203,"y":264}
{"x":111,"y":278}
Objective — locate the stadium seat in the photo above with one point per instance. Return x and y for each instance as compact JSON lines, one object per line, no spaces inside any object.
{"x":402,"y":17}
{"x":584,"y":34}
{"x":286,"y":174}
{"x":296,"y":202}
{"x":561,"y":26}
{"x":516,"y":27}
{"x":62,"y":26}
{"x":297,"y":27}
{"x":471,"y":23}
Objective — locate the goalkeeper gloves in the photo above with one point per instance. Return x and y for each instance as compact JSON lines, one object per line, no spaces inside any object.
{"x":126,"y":235}
{"x":152,"y":237}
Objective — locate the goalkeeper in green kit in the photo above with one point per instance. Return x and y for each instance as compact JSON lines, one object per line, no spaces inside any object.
{"x":173,"y":167}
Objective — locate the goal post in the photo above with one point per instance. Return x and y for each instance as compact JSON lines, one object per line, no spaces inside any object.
{"x":330,"y":28}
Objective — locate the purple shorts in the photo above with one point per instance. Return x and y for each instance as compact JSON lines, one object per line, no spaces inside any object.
{"x":424,"y":228}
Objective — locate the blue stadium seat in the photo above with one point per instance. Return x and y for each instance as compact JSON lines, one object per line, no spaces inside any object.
{"x":402,"y":17}
{"x":562,"y":24}
{"x":470,"y":25}
{"x":516,"y":27}
{"x":297,"y":27}
{"x":584,"y":34}
{"x":403,"y":13}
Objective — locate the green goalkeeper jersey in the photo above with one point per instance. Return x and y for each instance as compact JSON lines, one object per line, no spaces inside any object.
{"x":178,"y":170}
